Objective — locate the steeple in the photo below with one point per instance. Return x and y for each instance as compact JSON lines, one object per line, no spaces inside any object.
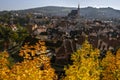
{"x":78,"y":6}
{"x":78,"y":10}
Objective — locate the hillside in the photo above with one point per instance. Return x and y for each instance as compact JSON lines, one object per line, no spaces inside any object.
{"x":87,"y":12}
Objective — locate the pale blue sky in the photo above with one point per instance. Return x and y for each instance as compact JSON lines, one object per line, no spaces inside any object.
{"x":26,"y":4}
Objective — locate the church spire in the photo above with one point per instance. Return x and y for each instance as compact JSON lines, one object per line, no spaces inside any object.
{"x":78,"y":6}
{"x":78,"y":10}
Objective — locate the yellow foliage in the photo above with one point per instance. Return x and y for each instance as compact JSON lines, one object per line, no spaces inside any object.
{"x":109,"y":65}
{"x":32,"y":70}
{"x":118,"y":64}
{"x":29,"y":52}
{"x":85,"y":64}
{"x":34,"y":66}
{"x":4,"y":69}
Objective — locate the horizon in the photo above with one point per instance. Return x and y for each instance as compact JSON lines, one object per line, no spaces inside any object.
{"x":61,"y":6}
{"x":6,"y":5}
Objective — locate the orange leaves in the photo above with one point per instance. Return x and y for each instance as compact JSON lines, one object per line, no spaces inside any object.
{"x":118,"y":63}
{"x":25,"y":70}
{"x":36,"y":65}
{"x":109,"y":66}
{"x":33,"y":67}
{"x":118,"y":58}
{"x":4,"y":69}
{"x":29,"y":52}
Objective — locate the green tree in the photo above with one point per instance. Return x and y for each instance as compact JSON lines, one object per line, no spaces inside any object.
{"x":8,"y":37}
{"x":19,"y":35}
{"x":5,"y":36}
{"x":5,"y":17}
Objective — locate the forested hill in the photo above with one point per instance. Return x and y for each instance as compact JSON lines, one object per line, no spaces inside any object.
{"x":87,"y":12}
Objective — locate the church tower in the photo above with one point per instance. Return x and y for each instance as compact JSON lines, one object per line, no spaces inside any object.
{"x":78,"y":11}
{"x":75,"y":14}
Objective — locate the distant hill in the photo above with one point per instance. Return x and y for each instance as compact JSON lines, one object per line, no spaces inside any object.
{"x":101,"y":13}
{"x":50,"y":10}
{"x":88,"y":12}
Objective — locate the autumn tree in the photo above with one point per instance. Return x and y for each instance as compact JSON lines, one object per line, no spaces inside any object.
{"x":5,"y":36}
{"x":4,"y":68}
{"x":109,"y":67}
{"x":118,"y":64}
{"x":35,"y":66}
{"x":85,"y":64}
